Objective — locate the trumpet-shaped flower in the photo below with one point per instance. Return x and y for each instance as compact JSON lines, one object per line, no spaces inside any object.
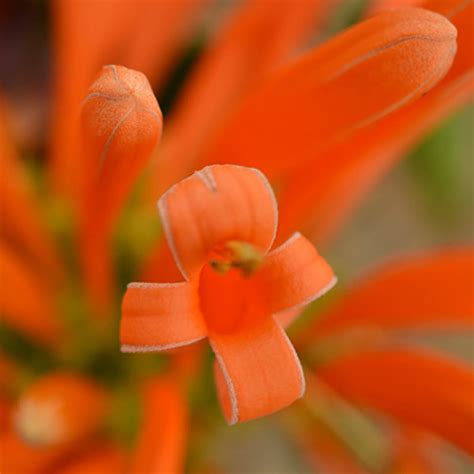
{"x":323,"y":125}
{"x":220,"y":224}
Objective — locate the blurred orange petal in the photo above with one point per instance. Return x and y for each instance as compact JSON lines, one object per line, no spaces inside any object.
{"x":160,"y":34}
{"x":352,"y":81}
{"x":162,"y":440}
{"x":21,"y":217}
{"x":60,"y":408}
{"x":26,"y":300}
{"x":256,"y":38}
{"x":416,"y":453}
{"x":104,"y":458}
{"x":326,"y":454}
{"x":416,"y":387}
{"x":18,"y":457}
{"x":432,"y":291}
{"x":320,"y":198}
{"x":160,"y":316}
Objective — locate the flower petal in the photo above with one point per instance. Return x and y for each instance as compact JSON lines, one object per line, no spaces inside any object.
{"x":257,"y":371}
{"x":20,"y":215}
{"x":160,"y":316}
{"x":416,"y":387}
{"x":432,"y":291}
{"x":294,"y":275}
{"x":321,"y":197}
{"x":121,"y":124}
{"x":102,"y":458}
{"x":18,"y":457}
{"x":323,"y":97}
{"x":161,"y":442}
{"x":26,"y":300}
{"x":255,"y":38}
{"x":214,"y":205}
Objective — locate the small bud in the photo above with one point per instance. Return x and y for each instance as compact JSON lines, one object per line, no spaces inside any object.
{"x":121,"y":124}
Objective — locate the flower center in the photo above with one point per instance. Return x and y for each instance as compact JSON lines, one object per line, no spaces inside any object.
{"x":239,"y":255}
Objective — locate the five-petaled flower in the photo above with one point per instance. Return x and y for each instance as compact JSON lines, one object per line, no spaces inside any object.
{"x":220,"y":224}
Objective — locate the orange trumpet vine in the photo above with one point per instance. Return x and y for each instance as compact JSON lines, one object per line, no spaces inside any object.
{"x":220,"y":224}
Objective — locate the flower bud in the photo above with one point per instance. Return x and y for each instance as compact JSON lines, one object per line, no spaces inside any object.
{"x":121,"y":124}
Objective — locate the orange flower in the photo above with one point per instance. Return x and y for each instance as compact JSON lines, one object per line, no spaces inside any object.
{"x":323,"y":126}
{"x":220,"y":224}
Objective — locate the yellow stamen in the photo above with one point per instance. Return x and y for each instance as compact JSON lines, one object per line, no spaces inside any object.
{"x":238,"y":254}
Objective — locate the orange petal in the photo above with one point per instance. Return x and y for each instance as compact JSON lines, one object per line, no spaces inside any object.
{"x":254,"y":40}
{"x":160,"y":316}
{"x":47,"y":412}
{"x":18,"y":457}
{"x":162,"y":441}
{"x":320,"y":198}
{"x":26,"y":300}
{"x":257,"y":371}
{"x":294,"y":275}
{"x":121,"y":124}
{"x":417,"y":453}
{"x":21,"y":217}
{"x":5,"y":413}
{"x":104,"y":458}
{"x":214,"y":205}
{"x":323,"y":97}
{"x":160,"y":265}
{"x":431,"y":291}
{"x":416,"y":387}
{"x":159,"y":35}
{"x":326,"y":453}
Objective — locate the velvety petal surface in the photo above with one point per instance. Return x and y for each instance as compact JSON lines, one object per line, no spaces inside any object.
{"x":294,"y":275}
{"x":160,"y":316}
{"x":213,"y":206}
{"x":257,"y":370}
